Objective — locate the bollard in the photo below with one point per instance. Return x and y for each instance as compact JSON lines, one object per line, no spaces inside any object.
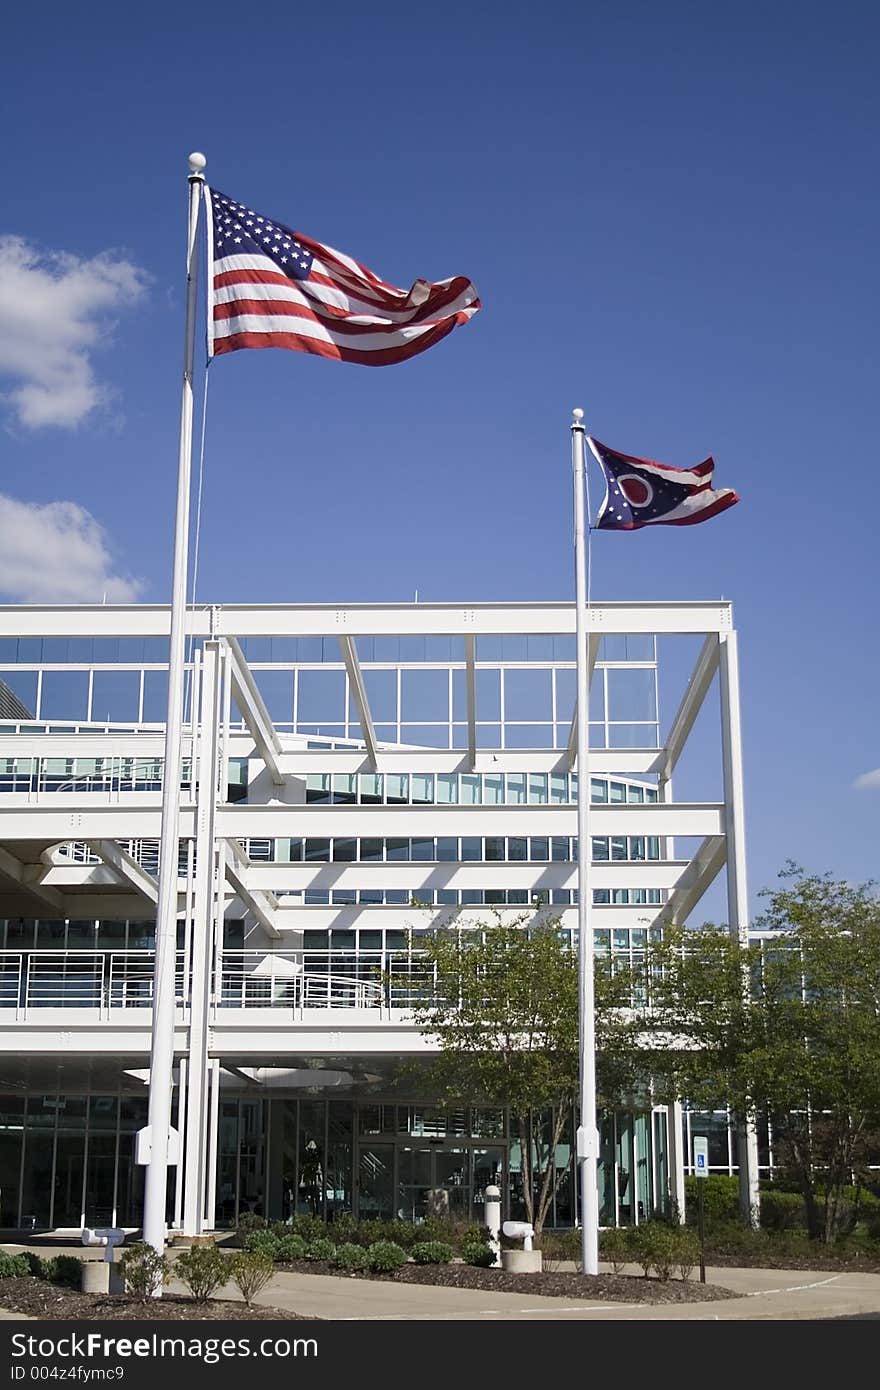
{"x":493,"y":1222}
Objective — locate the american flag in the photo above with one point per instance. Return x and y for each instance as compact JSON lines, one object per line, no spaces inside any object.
{"x":271,"y":287}
{"x":640,"y":492}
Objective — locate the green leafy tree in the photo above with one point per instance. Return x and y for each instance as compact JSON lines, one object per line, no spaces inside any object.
{"x":501,"y":1004}
{"x":788,"y":1026}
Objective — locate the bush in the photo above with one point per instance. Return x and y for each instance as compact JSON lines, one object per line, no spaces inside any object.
{"x":351,"y":1256}
{"x":321,"y":1249}
{"x":202,"y":1269}
{"x":384,"y":1256}
{"x":432,"y":1252}
{"x":143,"y":1269}
{"x":556,"y":1246}
{"x":13,"y":1266}
{"x":654,"y":1245}
{"x":781,"y":1211}
{"x":57,"y":1269}
{"x":720,"y":1198}
{"x":251,"y":1271}
{"x":307,"y":1227}
{"x":615,"y":1247}
{"x":478,"y":1253}
{"x":342,"y":1228}
{"x":290,"y":1248}
{"x":262,"y":1240}
{"x":249,"y":1221}
{"x":687,"y":1250}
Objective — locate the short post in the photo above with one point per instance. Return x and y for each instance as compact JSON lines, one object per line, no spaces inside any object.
{"x":104,"y":1276}
{"x":493,"y":1222}
{"x":701,"y":1169}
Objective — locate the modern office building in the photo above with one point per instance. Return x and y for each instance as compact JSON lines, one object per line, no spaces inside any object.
{"x":353,"y":776}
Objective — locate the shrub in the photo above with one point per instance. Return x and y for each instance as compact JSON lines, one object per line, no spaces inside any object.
{"x":478,"y":1253}
{"x":202,"y":1269}
{"x":290,"y":1248}
{"x":781,"y":1211}
{"x":432,"y":1252}
{"x":557,"y":1246}
{"x":249,"y":1221}
{"x":262,"y":1240}
{"x":321,"y":1249}
{"x":615,"y":1247}
{"x":384,"y":1256}
{"x":13,"y":1266}
{"x":57,"y":1269}
{"x":307,"y":1227}
{"x":720,"y":1198}
{"x":143,"y":1269}
{"x":369,"y":1232}
{"x":351,"y":1256}
{"x":654,"y":1245}
{"x":342,"y":1228}
{"x":251,"y":1271}
{"x":687,"y":1250}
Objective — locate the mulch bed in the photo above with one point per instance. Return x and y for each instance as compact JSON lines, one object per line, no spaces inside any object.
{"x":616,"y":1288}
{"x":818,"y":1259}
{"x":39,"y":1299}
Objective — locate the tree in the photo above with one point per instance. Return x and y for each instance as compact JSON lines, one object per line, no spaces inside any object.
{"x":501,"y":1004}
{"x":788,"y":1025}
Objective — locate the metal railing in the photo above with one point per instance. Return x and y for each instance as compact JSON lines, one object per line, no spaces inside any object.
{"x":37,"y":777}
{"x":294,"y":980}
{"x":99,"y":981}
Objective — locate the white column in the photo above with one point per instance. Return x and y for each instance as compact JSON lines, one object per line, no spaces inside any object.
{"x":203,"y":931}
{"x":162,"y":1048}
{"x":737,"y":887}
{"x":588,"y":1134}
{"x":675,"y":1156}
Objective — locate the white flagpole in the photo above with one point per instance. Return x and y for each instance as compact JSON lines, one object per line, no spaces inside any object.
{"x":162,"y":1049}
{"x":588,"y":1134}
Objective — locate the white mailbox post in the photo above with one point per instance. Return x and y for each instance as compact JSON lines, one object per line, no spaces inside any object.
{"x":104,"y":1276}
{"x":527,"y":1260}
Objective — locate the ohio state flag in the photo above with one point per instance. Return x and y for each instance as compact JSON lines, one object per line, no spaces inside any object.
{"x":640,"y":492}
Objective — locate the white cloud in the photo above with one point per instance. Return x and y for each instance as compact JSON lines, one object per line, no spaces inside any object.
{"x":53,"y":310}
{"x":57,"y":552}
{"x":868,"y":779}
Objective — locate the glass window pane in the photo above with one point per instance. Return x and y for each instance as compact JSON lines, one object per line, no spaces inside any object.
{"x":537,"y":788}
{"x":447,"y":788}
{"x":516,"y":789}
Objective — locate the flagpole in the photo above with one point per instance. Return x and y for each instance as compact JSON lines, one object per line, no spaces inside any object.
{"x":162,"y":1047}
{"x":587,"y":1134}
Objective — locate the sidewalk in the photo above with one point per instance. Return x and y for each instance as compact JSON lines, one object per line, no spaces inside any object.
{"x":763,"y":1294}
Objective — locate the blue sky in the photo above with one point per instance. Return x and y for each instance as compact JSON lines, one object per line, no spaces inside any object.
{"x":670,"y":216}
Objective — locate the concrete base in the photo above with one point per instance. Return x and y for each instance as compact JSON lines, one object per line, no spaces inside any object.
{"x":95,"y":1276}
{"x":521,"y":1261}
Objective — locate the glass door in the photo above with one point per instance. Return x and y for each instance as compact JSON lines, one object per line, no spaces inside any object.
{"x":376,"y":1182}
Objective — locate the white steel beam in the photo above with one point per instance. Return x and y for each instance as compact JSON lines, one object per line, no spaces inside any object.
{"x":278,"y":879}
{"x":362,"y":619}
{"x":695,"y":819}
{"x":691,"y":704}
{"x":571,"y":750}
{"x":470,"y":646}
{"x":29,"y":878}
{"x":127,"y":870}
{"x":359,"y":691}
{"x":254,"y":712}
{"x":299,"y":761}
{"x":262,"y":903}
{"x":697,"y":878}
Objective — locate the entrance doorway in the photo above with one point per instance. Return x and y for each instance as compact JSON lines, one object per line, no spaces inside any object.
{"x":415,"y":1181}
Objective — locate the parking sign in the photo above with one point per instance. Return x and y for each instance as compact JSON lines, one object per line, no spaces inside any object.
{"x":701,"y":1156}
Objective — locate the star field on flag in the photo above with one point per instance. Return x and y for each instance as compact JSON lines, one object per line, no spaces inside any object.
{"x":640,"y":492}
{"x":272,"y":287}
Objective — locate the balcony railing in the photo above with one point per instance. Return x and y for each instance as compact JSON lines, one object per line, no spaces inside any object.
{"x":105,"y":981}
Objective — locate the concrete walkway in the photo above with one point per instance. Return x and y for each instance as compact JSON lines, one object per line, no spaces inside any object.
{"x":762,"y":1294}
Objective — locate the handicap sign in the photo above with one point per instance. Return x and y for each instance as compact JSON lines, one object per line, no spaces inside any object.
{"x":701,"y":1155}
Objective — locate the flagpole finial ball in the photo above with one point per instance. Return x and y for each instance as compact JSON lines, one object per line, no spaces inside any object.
{"x":577,"y":414}
{"x":197,"y":162}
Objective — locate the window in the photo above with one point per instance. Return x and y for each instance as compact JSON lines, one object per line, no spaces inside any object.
{"x":494,"y":847}
{"x":447,"y":849}
{"x":471,"y":847}
{"x":318,"y":851}
{"x":397,"y":788}
{"x":344,"y":850}
{"x":371,"y":788}
{"x":539,"y":849}
{"x":422,"y":788}
{"x":447,"y":789}
{"x":470,"y":789}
